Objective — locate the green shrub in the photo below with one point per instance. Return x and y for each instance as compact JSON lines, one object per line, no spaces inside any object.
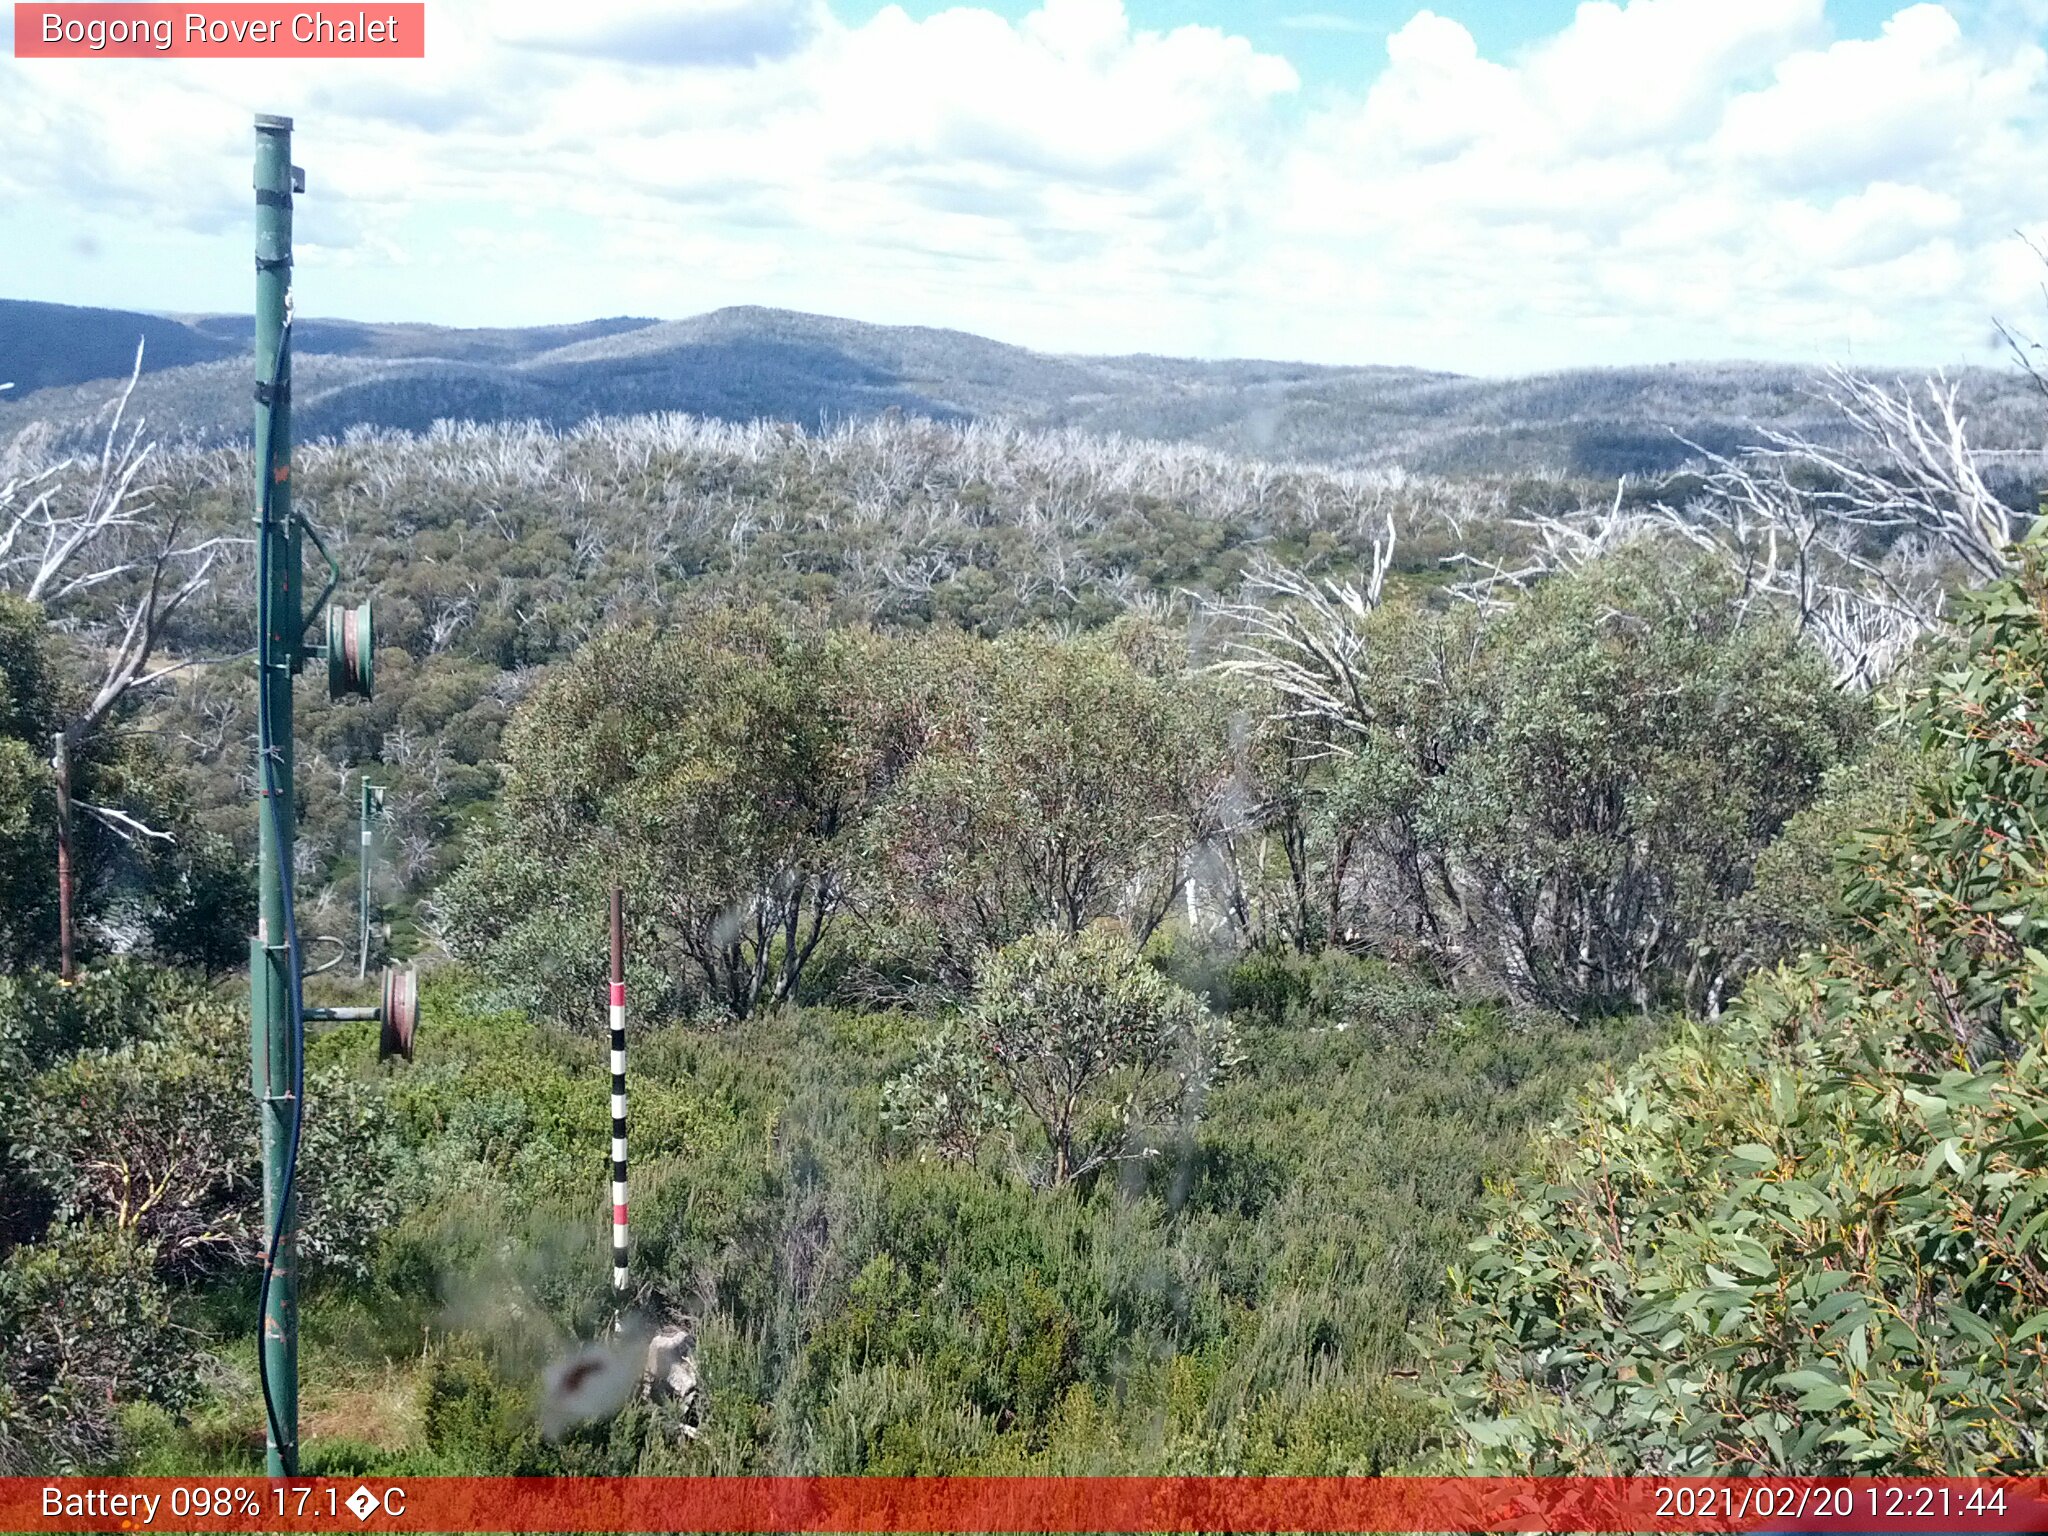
{"x":895,"y":1420}
{"x":477,"y":1421}
{"x":43,"y":1019}
{"x":1761,"y":1254}
{"x":1794,"y":904}
{"x":1809,"y":1241}
{"x":1334,"y":1425}
{"x":1076,"y":1034}
{"x":1266,"y":985}
{"x":716,"y":767}
{"x":1052,"y":785}
{"x":42,"y":1022}
{"x":1342,"y":991}
{"x":83,"y":1326}
{"x":158,"y":1138}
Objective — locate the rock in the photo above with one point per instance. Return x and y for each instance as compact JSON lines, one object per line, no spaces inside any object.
{"x":671,"y":1373}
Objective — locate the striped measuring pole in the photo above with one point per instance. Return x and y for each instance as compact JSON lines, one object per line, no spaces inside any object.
{"x":618,"y":1021}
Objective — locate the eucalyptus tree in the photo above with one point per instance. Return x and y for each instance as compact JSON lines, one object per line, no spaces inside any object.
{"x":716,"y":769}
{"x":1054,"y":783}
{"x":1806,"y":1240}
{"x":1564,"y":789}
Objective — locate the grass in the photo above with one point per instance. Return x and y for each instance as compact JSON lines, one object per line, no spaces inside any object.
{"x":1249,"y":1299}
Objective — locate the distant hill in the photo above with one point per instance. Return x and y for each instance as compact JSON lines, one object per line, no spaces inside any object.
{"x":747,"y":363}
{"x":43,"y":345}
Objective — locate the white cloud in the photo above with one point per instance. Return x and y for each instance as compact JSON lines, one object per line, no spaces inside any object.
{"x":1898,"y":104}
{"x":1659,"y":177}
{"x":1884,"y":221}
{"x":1657,"y":70}
{"x":1437,"y":96}
{"x":660,"y":32}
{"x":1668,"y":177}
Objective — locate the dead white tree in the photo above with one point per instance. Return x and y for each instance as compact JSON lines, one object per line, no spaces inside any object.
{"x":1306,"y":640}
{"x":1304,"y":646}
{"x":1860,"y":546}
{"x":67,"y":530}
{"x":449,"y":613}
{"x":1916,"y":470}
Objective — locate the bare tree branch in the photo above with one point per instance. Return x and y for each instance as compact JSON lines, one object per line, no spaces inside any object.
{"x":110,"y":503}
{"x":62,"y":540}
{"x":126,"y":826}
{"x":1859,"y":546}
{"x":1306,"y":640}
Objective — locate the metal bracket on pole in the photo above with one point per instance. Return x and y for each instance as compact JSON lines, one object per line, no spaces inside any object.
{"x":270,"y":994}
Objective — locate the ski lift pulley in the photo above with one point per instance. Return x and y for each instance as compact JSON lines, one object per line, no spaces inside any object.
{"x":400,"y":1013}
{"x":350,"y":646}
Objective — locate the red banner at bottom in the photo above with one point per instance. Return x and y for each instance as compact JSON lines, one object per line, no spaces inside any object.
{"x":1928,"y":1506}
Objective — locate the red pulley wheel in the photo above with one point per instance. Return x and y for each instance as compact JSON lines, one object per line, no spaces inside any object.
{"x":401,"y":1014}
{"x":351,"y":652}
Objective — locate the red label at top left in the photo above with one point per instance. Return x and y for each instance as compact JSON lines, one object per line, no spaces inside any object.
{"x":233,"y":31}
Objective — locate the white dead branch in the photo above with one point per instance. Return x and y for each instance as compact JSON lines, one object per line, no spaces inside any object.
{"x":1917,"y":469}
{"x":1306,"y":640}
{"x":71,"y":528}
{"x":1859,"y":546}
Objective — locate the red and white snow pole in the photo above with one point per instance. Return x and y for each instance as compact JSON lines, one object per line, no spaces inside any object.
{"x":618,"y":1021}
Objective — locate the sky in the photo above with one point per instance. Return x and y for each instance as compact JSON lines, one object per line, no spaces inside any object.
{"x":1500,"y":187}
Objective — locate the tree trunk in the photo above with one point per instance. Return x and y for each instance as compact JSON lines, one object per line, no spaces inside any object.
{"x":60,"y":764}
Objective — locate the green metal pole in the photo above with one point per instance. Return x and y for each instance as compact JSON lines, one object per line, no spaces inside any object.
{"x":278,"y":633}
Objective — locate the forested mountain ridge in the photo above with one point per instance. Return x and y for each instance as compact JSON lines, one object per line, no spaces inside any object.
{"x":46,"y":346}
{"x":747,"y":363}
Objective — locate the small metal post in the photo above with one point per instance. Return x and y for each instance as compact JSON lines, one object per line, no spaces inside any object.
{"x":618,"y":1022}
{"x":373,"y":804}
